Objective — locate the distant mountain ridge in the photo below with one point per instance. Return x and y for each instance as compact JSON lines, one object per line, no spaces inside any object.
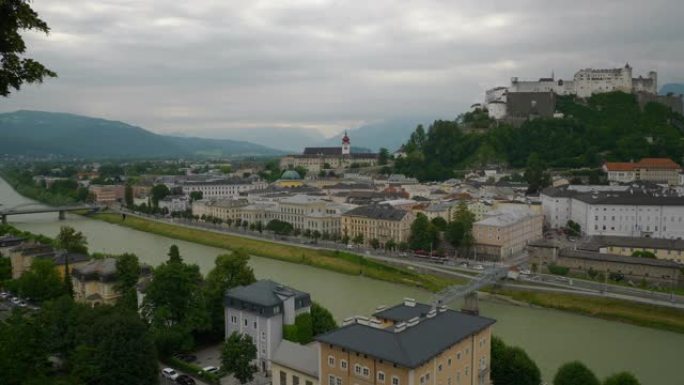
{"x":390,"y":134}
{"x":675,"y":88}
{"x":38,"y":133}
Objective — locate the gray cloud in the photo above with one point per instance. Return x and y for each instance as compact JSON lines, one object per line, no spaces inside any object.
{"x":212,"y":68}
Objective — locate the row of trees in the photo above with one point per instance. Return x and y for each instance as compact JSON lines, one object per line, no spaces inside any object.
{"x":425,"y":233}
{"x":512,"y":366}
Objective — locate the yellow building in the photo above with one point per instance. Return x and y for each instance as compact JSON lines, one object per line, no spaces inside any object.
{"x":294,"y":364}
{"x":504,"y":233}
{"x":382,"y":222}
{"x":95,"y":282}
{"x":408,"y":344}
{"x":22,"y":257}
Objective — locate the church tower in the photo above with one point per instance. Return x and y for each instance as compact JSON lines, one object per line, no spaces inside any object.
{"x":346,"y":145}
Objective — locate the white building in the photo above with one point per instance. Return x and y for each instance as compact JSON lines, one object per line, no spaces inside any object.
{"x":589,"y":81}
{"x":260,"y":310}
{"x":175,"y":203}
{"x":617,"y":211}
{"x":223,"y":188}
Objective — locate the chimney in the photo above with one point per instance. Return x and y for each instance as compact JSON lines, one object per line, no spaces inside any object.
{"x":348,"y":321}
{"x":400,"y":327}
{"x":380,"y":308}
{"x":442,"y":308}
{"x":413,"y":322}
{"x":432,"y":313}
{"x":410,"y":302}
{"x":376,"y":323}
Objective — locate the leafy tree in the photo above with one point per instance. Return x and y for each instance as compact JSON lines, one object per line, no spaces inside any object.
{"x":128,"y":195}
{"x":575,"y":373}
{"x":322,"y":320}
{"x":390,"y":245}
{"x":23,"y":352}
{"x":345,"y":239}
{"x":304,"y":325}
{"x":174,"y":255}
{"x":301,"y":170}
{"x":403,"y":246}
{"x":127,"y":275}
{"x":644,"y":254}
{"x":622,"y":378}
{"x":279,"y":227}
{"x":116,"y":349}
{"x":196,"y":196}
{"x":230,"y":270}
{"x":17,"y":15}
{"x":535,"y":174}
{"x":574,"y":228}
{"x":41,"y":282}
{"x":439,"y":223}
{"x":5,"y":269}
{"x":174,"y":304}
{"x":383,"y":156}
{"x":358,"y":239}
{"x":237,"y":356}
{"x":158,"y":193}
{"x":71,"y":240}
{"x":423,"y":234}
{"x":512,"y":365}
{"x":375,"y":243}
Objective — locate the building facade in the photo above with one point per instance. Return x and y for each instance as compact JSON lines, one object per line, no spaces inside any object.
{"x":295,"y":364}
{"x":381,"y":222}
{"x":504,"y":233}
{"x":315,"y":159}
{"x":261,"y":310}
{"x":94,"y":283}
{"x":223,"y":188}
{"x":656,"y":170}
{"x":438,"y":347}
{"x":107,"y":193}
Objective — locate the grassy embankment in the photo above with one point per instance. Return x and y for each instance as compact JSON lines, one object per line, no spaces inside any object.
{"x":656,"y":317}
{"x":337,"y":261}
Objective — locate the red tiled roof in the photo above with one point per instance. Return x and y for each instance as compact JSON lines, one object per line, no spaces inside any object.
{"x":658,"y":163}
{"x":620,"y":166}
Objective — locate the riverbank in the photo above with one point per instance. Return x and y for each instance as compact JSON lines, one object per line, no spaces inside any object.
{"x":337,"y":261}
{"x":610,"y":309}
{"x":652,"y":316}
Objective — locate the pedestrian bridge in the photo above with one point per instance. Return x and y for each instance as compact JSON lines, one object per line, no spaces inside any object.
{"x":487,"y":277}
{"x":36,"y":208}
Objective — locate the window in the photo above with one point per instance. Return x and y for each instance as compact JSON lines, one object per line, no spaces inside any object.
{"x":449,"y":362}
{"x":331,"y":380}
{"x":255,"y":325}
{"x":381,"y":377}
{"x":439,"y":367}
{"x":422,"y":380}
{"x":295,"y":380}
{"x":307,"y":382}
{"x":466,"y":370}
{"x":357,"y":369}
{"x":343,"y":364}
{"x":427,"y":377}
{"x":395,"y":380}
{"x":331,"y":361}
{"x":366,"y":371}
{"x":338,"y":381}
{"x":283,"y":378}
{"x":458,"y":355}
{"x":245,"y":322}
{"x":233,"y":319}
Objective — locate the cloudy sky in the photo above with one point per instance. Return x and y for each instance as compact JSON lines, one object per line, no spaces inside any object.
{"x":210,"y":68}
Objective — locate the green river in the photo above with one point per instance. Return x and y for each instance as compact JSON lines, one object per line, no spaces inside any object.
{"x":550,"y":337}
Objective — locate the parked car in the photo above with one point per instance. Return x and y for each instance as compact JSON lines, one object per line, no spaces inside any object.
{"x":478,"y":267}
{"x":169,"y":373}
{"x":186,"y":357}
{"x":4,"y":295}
{"x":184,"y":379}
{"x":210,"y":369}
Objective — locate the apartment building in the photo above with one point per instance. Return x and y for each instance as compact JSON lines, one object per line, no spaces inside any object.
{"x":295,"y":364}
{"x":630,"y":211}
{"x":222,"y":188}
{"x":656,"y":170}
{"x":219,"y":208}
{"x":107,"y":193}
{"x":23,"y":255}
{"x":94,"y":282}
{"x":666,"y":249}
{"x":408,"y":344}
{"x":260,"y":310}
{"x":505,"y":232}
{"x":381,"y":222}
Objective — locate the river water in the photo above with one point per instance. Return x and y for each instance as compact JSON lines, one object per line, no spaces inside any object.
{"x":550,"y":337}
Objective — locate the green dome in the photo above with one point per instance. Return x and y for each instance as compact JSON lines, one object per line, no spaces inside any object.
{"x":290,"y":175}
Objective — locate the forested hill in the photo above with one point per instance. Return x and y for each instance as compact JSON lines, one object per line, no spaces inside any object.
{"x":607,"y":126}
{"x":43,"y":133}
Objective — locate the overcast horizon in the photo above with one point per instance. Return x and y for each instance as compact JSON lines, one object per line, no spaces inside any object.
{"x":205,"y":69}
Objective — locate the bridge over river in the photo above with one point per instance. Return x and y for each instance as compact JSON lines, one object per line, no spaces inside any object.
{"x":36,"y":208}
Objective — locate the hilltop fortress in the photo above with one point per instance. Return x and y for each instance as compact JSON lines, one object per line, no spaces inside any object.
{"x":524,"y":99}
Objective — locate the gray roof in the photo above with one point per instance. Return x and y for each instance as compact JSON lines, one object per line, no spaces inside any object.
{"x":322,"y":151}
{"x":384,"y":212}
{"x":413,"y":346}
{"x":302,"y":358}
{"x":97,"y":269}
{"x":403,"y":313}
{"x":594,"y":256}
{"x":264,"y":293}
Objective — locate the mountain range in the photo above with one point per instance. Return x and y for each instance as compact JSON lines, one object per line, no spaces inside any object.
{"x":40,"y":133}
{"x":675,"y":88}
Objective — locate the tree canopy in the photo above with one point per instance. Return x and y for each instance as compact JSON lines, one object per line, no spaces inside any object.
{"x":423,"y":234}
{"x":17,"y":16}
{"x":512,"y":365}
{"x":237,"y":356}
{"x":622,"y":378}
{"x":575,"y":373}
